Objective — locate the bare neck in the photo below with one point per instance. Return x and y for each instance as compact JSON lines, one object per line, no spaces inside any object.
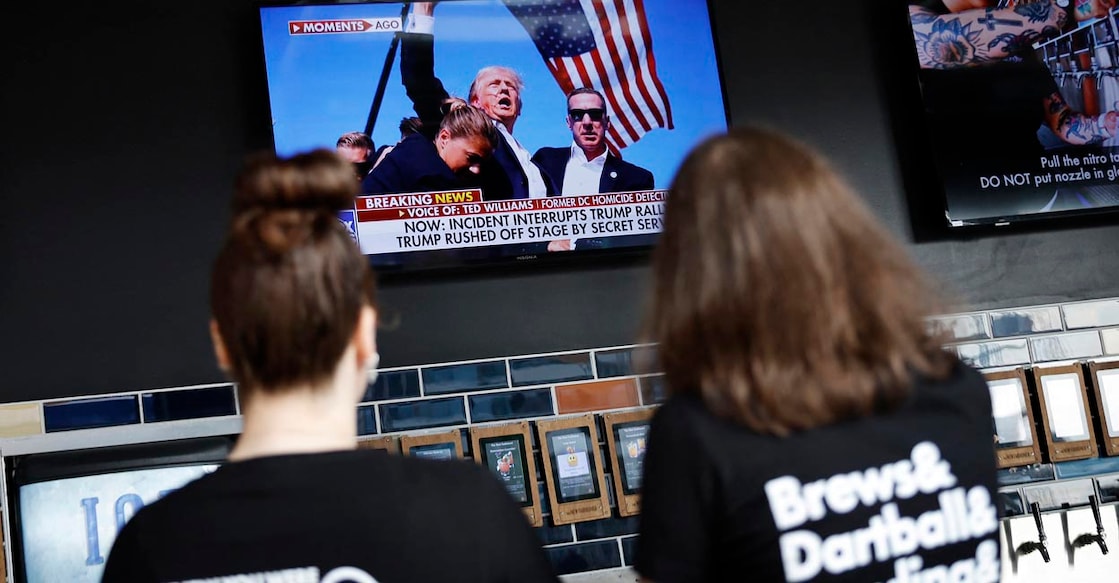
{"x":303,"y":419}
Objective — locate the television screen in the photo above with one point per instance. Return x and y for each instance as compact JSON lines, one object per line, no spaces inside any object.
{"x":68,"y":507}
{"x":573,"y":467}
{"x":630,"y":439}
{"x":1020,"y":104}
{"x":1008,"y":411}
{"x":505,"y":456}
{"x":540,"y":173}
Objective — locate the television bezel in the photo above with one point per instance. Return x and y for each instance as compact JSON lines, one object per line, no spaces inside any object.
{"x":610,"y":257}
{"x":66,"y":463}
{"x":897,"y":72}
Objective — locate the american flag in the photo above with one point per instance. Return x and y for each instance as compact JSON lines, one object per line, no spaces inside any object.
{"x":604,"y":44}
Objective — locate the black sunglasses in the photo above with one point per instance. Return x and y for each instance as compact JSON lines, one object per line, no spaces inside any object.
{"x":596,"y":114}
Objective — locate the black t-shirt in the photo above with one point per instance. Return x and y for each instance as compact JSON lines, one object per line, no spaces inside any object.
{"x":340,"y":517}
{"x":863,"y":500}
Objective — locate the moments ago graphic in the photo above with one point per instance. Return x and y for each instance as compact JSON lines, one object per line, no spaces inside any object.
{"x":961,"y":514}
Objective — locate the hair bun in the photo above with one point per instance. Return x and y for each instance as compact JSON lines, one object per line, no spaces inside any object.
{"x":317,"y":181}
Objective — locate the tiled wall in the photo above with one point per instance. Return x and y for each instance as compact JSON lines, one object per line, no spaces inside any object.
{"x":418,"y":399}
{"x":456,"y":395}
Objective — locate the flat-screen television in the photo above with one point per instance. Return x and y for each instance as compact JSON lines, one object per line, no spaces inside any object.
{"x":66,"y":508}
{"x":573,"y":469}
{"x":1011,"y":118}
{"x":595,"y":103}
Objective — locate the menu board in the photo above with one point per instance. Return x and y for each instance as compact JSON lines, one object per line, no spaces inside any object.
{"x":506,"y":450}
{"x":573,"y":470}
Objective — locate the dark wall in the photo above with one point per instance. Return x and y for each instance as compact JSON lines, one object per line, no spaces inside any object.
{"x":125,"y":122}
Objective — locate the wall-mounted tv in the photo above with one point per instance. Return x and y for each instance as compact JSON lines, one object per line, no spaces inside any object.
{"x":66,"y":508}
{"x":560,"y":177}
{"x":1016,"y":119}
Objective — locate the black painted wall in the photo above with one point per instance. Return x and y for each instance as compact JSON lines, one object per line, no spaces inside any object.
{"x":125,"y":121}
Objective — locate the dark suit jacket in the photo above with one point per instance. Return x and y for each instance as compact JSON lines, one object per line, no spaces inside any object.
{"x":501,"y":176}
{"x":617,"y":174}
{"x":413,"y":165}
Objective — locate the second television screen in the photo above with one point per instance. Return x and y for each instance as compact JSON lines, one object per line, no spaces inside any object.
{"x":591,"y":105}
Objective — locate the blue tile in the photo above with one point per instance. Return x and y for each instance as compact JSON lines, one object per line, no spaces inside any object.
{"x":1010,"y":504}
{"x":540,"y":370}
{"x":1025,"y":322}
{"x":653,"y":390}
{"x":1067,"y":346}
{"x":1091,"y":314}
{"x":607,"y":527}
{"x":998,"y":353}
{"x":614,"y":363}
{"x":510,"y":405}
{"x":421,"y":414}
{"x":366,"y":420}
{"x":396,"y":384}
{"x":439,"y":380}
{"x":579,"y":558}
{"x":1088,"y":467}
{"x":962,"y":327}
{"x":1025,"y":474}
{"x":554,"y":535}
{"x":629,"y":550}
{"x":188,"y":404}
{"x":1110,"y":340}
{"x":88,"y":413}
{"x":625,"y":361}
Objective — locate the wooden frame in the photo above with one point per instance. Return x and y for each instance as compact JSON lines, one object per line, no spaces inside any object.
{"x":629,"y":498}
{"x":384,"y":442}
{"x":507,"y":436}
{"x":410,"y":445}
{"x":1061,"y":447}
{"x":1022,"y":455}
{"x":588,"y":506}
{"x":1107,"y":403}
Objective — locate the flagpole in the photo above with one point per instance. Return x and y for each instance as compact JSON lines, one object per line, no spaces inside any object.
{"x":390,"y":57}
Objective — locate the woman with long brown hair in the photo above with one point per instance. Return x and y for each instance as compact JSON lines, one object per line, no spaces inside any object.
{"x":816,"y":428}
{"x":293,"y":308}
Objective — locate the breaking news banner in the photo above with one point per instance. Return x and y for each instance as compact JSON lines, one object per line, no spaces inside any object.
{"x":427,"y":221}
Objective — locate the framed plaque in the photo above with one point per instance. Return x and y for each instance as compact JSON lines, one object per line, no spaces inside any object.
{"x":507,"y":451}
{"x":1064,"y":412}
{"x":627,"y":434}
{"x":573,"y":469}
{"x":1013,"y":419}
{"x":445,"y":445}
{"x":383,"y":442}
{"x":1105,"y":390}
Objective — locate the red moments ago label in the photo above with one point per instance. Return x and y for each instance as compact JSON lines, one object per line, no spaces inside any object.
{"x":348,"y":25}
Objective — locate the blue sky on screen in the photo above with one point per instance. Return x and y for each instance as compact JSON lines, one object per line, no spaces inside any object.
{"x":321,"y":86}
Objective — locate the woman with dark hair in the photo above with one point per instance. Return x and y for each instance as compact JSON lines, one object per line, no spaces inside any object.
{"x":466,"y":137}
{"x":816,"y":429}
{"x":293,"y":308}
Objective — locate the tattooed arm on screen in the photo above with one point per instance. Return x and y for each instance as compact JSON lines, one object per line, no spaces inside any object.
{"x":981,"y":35}
{"x":1074,"y":127}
